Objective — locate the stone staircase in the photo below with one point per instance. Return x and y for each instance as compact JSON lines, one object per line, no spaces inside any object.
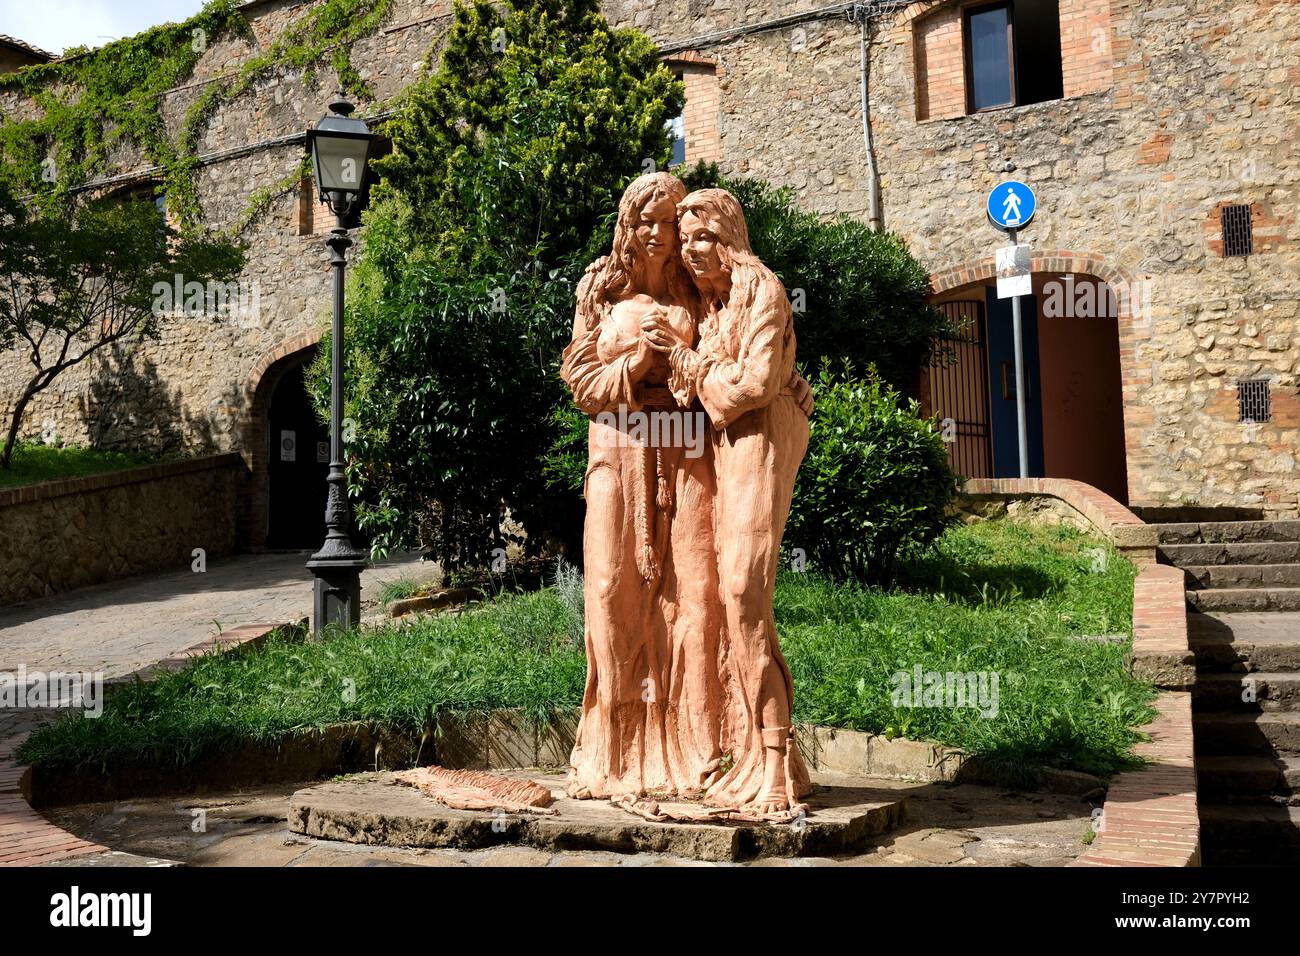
{"x":1236,"y":565}
{"x":1243,"y":592}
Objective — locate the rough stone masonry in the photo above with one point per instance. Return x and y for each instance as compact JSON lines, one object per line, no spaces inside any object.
{"x":1171,"y":109}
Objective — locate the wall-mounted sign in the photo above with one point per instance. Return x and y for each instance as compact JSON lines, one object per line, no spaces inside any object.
{"x":288,"y":445}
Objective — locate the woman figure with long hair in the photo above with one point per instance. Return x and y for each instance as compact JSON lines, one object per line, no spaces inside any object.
{"x":743,"y":373}
{"x":651,"y":711}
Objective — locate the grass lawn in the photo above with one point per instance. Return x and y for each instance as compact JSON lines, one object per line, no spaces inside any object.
{"x":995,"y":597}
{"x":34,"y":462}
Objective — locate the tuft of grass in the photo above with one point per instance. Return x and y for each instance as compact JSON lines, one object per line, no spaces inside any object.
{"x":995,"y":597}
{"x":34,"y":462}
{"x":399,"y":590}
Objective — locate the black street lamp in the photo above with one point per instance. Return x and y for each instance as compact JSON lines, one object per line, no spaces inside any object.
{"x":340,"y":149}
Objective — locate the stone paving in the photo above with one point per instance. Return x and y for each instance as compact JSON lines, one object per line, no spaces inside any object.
{"x":127,"y":626}
{"x":963,"y":825}
{"x":120,"y":627}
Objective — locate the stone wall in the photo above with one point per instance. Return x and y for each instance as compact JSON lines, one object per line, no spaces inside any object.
{"x":190,"y":391}
{"x":1173,"y":109}
{"x":68,"y":534}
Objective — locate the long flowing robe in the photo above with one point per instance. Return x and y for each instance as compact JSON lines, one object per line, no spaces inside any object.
{"x":652,"y":706}
{"x":743,"y":373}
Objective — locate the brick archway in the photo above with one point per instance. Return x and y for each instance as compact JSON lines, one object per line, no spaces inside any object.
{"x":258,"y":389}
{"x":1136,"y":375}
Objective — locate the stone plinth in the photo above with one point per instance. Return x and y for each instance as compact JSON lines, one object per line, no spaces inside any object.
{"x":372,"y":809}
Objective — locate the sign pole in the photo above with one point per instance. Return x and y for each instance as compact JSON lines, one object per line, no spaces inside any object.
{"x":1022,"y":429}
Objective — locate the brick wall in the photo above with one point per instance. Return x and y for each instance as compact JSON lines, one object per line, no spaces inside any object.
{"x":940,"y":65}
{"x":939,"y":57}
{"x":1085,"y":46}
{"x":703,"y":111}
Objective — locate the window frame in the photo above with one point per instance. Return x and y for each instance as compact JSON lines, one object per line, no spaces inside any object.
{"x":968,"y":55}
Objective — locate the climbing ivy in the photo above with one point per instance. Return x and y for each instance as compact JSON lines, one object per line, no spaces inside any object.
{"x":94,"y":103}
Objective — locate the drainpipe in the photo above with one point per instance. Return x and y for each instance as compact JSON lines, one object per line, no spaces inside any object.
{"x":859,"y":14}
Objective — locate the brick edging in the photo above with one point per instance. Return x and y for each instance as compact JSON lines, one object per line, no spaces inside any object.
{"x":26,"y":837}
{"x":1161,"y":652}
{"x":44,"y":491}
{"x":1129,"y":533}
{"x":1150,"y":815}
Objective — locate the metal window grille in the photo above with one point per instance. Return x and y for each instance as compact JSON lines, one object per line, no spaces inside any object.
{"x":1253,"y":402}
{"x":1237,"y":235}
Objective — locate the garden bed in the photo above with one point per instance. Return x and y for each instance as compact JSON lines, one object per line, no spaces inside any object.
{"x":996,"y":598}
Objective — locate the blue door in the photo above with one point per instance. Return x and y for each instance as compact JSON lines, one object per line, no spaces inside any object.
{"x":1002,"y":385}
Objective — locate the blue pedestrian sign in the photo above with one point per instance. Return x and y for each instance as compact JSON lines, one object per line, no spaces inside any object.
{"x":1011,"y":205}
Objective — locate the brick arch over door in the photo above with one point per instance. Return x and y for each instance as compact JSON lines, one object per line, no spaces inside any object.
{"x":258,"y":389}
{"x":1136,"y":375}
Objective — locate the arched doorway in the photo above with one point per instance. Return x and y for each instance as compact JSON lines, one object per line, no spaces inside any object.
{"x":1073,"y":327}
{"x":297,"y":465}
{"x":287,"y":481}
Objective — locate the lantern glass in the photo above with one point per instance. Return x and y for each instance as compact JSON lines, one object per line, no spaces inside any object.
{"x":340,"y":163}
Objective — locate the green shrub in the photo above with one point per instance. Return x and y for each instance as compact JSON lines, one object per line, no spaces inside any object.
{"x":876,"y":483}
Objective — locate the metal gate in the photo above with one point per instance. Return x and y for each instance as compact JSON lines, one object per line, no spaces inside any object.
{"x":959,"y":391}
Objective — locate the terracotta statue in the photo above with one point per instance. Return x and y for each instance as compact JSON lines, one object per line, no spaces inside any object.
{"x":652,"y":709}
{"x":681,"y":551}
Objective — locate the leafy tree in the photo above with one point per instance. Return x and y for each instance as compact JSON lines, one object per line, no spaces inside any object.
{"x":508,"y":163}
{"x":75,"y":280}
{"x":524,"y":138}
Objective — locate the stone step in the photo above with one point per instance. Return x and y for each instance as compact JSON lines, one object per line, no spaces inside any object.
{"x":1252,"y":833}
{"x":1227,"y":532}
{"x":1247,"y":552}
{"x":1226,"y":734}
{"x":1245,"y":599}
{"x":1200,"y":577}
{"x":1194,"y":514}
{"x":1230,"y":777}
{"x":1245,"y":641}
{"x":1247,"y":693}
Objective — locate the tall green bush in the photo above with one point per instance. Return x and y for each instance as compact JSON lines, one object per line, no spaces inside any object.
{"x":875,"y":484}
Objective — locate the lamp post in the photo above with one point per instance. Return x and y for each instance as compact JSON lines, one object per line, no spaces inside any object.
{"x":340,"y":149}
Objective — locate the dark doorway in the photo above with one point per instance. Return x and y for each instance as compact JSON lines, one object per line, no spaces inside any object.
{"x":1002,"y":386}
{"x":297,"y":467}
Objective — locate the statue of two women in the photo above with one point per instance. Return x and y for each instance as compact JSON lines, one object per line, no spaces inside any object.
{"x":687,"y":692}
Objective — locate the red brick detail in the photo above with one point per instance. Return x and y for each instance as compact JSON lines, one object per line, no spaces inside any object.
{"x":937,"y":47}
{"x":261,"y":383}
{"x":1155,"y":151}
{"x":1150,"y":817}
{"x":1135,"y":376}
{"x":1086,"y":54}
{"x":1104,"y":513}
{"x":703,"y":111}
{"x":1160,"y":650}
{"x":26,"y":837}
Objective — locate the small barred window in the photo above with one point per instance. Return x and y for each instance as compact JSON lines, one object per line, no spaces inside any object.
{"x":1237,"y":237}
{"x":1253,"y":403}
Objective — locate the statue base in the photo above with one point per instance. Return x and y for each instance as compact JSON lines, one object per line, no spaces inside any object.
{"x":373,"y":809}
